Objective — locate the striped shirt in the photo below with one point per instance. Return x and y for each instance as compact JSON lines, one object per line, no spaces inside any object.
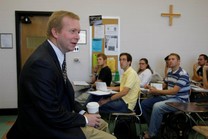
{"x":179,"y":78}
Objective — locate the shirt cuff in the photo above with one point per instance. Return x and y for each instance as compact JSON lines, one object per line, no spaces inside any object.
{"x":82,"y":112}
{"x":86,"y":120}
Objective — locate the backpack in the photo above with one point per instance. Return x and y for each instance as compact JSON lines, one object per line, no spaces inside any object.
{"x":177,"y":125}
{"x":125,"y":127}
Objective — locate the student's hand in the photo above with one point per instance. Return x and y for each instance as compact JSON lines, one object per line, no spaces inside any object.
{"x":93,"y":119}
{"x":146,"y":86}
{"x":103,"y":101}
{"x":153,"y":90}
{"x":205,"y":67}
{"x":195,"y":66}
{"x":95,"y":70}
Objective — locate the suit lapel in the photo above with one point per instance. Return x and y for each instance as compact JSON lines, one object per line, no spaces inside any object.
{"x":68,"y":86}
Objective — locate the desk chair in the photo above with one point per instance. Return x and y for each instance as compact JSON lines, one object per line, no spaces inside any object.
{"x":130,"y":114}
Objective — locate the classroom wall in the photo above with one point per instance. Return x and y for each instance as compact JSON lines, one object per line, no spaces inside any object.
{"x":143,"y":33}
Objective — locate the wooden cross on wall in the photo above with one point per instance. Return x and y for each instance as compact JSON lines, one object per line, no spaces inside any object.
{"x":170,"y":15}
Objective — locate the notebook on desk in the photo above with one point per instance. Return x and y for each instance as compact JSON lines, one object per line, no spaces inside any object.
{"x":101,"y":89}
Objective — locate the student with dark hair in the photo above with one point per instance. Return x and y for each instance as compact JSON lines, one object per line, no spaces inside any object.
{"x":128,"y":91}
{"x":144,"y":72}
{"x":205,"y":76}
{"x":198,"y":68}
{"x":166,"y":65}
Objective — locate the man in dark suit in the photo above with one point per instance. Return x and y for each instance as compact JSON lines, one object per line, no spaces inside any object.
{"x":46,"y":106}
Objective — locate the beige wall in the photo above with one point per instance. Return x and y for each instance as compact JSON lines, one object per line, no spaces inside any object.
{"x":144,"y":33}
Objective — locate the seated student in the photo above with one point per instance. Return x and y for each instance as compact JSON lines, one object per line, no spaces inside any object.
{"x":197,"y":68}
{"x":176,"y":89}
{"x":205,"y":76}
{"x":102,"y":73}
{"x":125,"y":100}
{"x":166,"y":66}
{"x":145,"y":72}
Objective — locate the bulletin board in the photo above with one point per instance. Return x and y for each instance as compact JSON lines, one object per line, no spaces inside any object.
{"x":108,"y":42}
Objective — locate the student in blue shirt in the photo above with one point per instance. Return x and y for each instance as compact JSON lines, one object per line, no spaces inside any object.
{"x":176,"y":89}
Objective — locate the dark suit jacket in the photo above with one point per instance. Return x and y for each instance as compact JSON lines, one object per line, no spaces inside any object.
{"x":46,"y":105}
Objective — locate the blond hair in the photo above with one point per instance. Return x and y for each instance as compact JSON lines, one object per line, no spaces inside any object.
{"x":55,"y":21}
{"x":102,"y":55}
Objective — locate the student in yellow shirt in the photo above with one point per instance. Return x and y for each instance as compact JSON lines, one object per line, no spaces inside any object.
{"x":128,"y":91}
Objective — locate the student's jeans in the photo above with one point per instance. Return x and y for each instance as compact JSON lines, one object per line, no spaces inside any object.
{"x":117,"y":105}
{"x":153,"y":110}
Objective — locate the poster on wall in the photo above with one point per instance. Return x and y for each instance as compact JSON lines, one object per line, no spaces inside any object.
{"x":111,"y":29}
{"x":111,"y":45}
{"x":99,"y":32}
{"x":95,"y":20}
{"x":97,"y":45}
{"x":105,"y":39}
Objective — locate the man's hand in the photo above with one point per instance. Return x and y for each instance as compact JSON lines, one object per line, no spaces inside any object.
{"x":205,"y":67}
{"x":195,"y":66}
{"x":104,"y":101}
{"x":95,"y":69}
{"x":93,"y":119}
{"x":153,"y":91}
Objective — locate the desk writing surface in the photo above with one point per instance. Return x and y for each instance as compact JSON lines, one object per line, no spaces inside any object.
{"x":188,"y":107}
{"x":81,"y":83}
{"x":196,"y":88}
{"x":101,"y":93}
{"x":199,"y":89}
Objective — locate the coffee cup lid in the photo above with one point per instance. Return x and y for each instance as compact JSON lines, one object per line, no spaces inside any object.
{"x":92,"y":104}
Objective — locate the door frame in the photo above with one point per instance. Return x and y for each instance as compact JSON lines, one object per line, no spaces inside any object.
{"x":18,"y":17}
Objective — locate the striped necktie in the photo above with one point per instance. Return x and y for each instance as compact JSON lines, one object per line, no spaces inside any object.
{"x":64,"y":70}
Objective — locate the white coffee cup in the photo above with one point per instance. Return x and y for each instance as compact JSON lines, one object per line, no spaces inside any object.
{"x":92,"y":107}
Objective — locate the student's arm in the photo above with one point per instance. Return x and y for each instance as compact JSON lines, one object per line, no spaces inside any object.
{"x":205,"y":81}
{"x":145,"y":77}
{"x":115,"y":96}
{"x":196,"y":77}
{"x":172,"y":91}
{"x":166,"y":69}
{"x":95,"y":74}
{"x":115,"y":88}
{"x":120,"y":94}
{"x":94,"y":77}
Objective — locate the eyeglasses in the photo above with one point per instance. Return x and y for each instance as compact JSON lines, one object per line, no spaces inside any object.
{"x":141,"y":63}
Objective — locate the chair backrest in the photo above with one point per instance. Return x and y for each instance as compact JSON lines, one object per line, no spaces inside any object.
{"x":139,"y":104}
{"x":156,"y":77}
{"x":138,"y":108}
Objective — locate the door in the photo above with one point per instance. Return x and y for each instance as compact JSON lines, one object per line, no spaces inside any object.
{"x":32,"y":35}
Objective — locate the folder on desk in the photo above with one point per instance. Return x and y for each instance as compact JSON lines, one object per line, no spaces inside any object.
{"x":158,"y":86}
